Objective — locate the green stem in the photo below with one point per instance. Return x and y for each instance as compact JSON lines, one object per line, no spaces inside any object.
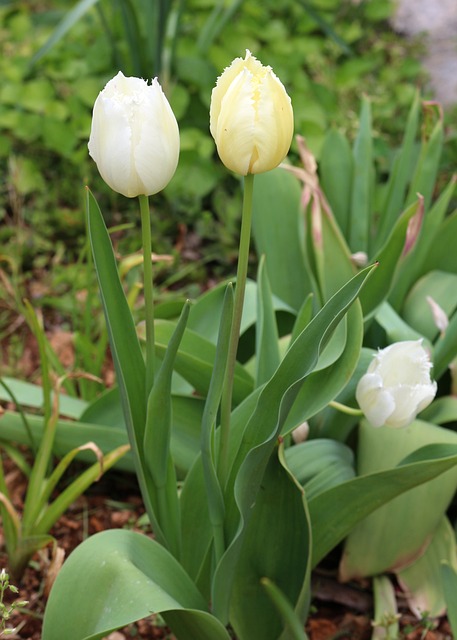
{"x":343,"y":408}
{"x":241,"y":275}
{"x":148,"y":291}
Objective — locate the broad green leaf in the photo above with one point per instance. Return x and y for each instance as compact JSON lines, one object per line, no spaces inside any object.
{"x":336,"y":167}
{"x":293,"y":625}
{"x":395,"y":327}
{"x":385,"y":624}
{"x":264,"y":425}
{"x":442,"y":255}
{"x":395,"y":534}
{"x":278,"y":231}
{"x":450,"y":592}
{"x":31,"y":395}
{"x":331,"y":422}
{"x":209,"y":452}
{"x":320,"y":464}
{"x":304,"y":316}
{"x":185,"y":434}
{"x":422,"y":581}
{"x":157,"y":434}
{"x":156,"y":443}
{"x":126,"y":577}
{"x":125,"y":348}
{"x":206,"y":310}
{"x":399,"y":176}
{"x":424,"y":177}
{"x":412,"y":266}
{"x":441,"y":287}
{"x":441,"y":411}
{"x":335,"y":512}
{"x":360,"y":211}
{"x":322,"y":385}
{"x":266,"y":334}
{"x":269,"y":551}
{"x":445,"y":348}
{"x":69,"y":435}
{"x":336,"y":266}
{"x":195,"y":360}
{"x":388,"y":258}
{"x":194,"y":510}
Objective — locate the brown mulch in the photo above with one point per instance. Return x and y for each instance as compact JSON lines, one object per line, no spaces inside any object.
{"x":342,"y":612}
{"x":338,"y":611}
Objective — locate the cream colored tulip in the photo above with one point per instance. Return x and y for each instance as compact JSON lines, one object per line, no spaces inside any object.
{"x":134,"y":137}
{"x":397,"y":385}
{"x":251,"y":117}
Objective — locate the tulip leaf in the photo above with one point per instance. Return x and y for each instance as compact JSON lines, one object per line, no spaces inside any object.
{"x":126,"y":351}
{"x":449,"y":574}
{"x":336,"y":167}
{"x":385,"y":624}
{"x":28,"y":394}
{"x":361,"y":496}
{"x":394,"y":534}
{"x":263,"y":428}
{"x":126,"y":576}
{"x":441,"y":411}
{"x":266,"y":335}
{"x":412,"y":266}
{"x":209,"y":453}
{"x":424,"y":177}
{"x":128,"y":359}
{"x":360,"y":212}
{"x":269,"y":551}
{"x":335,"y":264}
{"x":195,"y":361}
{"x":388,"y":257}
{"x":206,"y":310}
{"x":442,"y":255}
{"x":395,"y":327}
{"x":278,"y":233}
{"x":445,"y":348}
{"x":322,"y":385}
{"x":422,"y":580}
{"x":320,"y":464}
{"x":400,"y":175}
{"x":438,"y":286}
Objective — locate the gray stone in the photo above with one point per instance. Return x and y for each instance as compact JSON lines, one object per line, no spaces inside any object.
{"x":437,"y":21}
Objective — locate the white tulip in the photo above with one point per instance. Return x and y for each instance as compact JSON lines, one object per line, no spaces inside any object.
{"x":134,"y":137}
{"x":397,"y":385}
{"x":251,"y":117}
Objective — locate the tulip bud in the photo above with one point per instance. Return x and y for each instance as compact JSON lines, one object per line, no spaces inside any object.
{"x":251,"y":117}
{"x":134,"y":137}
{"x":397,"y":385}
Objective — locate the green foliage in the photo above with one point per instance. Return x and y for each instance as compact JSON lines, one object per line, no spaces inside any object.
{"x":27,"y":532}
{"x":7,"y":609}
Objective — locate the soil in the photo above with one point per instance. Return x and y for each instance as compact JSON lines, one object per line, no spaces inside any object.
{"x":338,"y":611}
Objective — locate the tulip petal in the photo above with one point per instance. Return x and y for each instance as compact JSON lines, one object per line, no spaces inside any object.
{"x":274,"y":119}
{"x":110,"y":144}
{"x":251,"y":117}
{"x":397,"y":385}
{"x":134,"y":136}
{"x":236,"y":124}
{"x":376,"y":403}
{"x":156,"y":150}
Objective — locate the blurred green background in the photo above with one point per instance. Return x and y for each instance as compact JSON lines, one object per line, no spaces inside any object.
{"x":56,"y":57}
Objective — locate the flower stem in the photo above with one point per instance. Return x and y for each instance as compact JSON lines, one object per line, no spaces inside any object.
{"x":241,"y":275}
{"x":148,"y":290}
{"x":350,"y":411}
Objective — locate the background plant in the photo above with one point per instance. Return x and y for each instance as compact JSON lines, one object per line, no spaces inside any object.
{"x":28,"y":531}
